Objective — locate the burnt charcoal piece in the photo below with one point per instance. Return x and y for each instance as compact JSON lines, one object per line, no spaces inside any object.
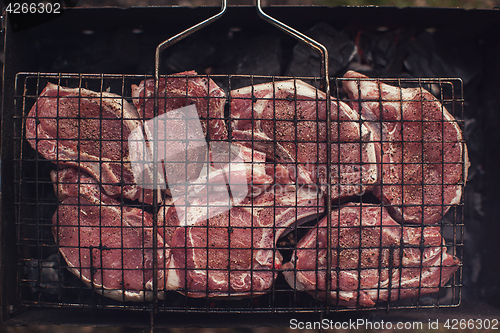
{"x":259,"y":55}
{"x":120,"y":51}
{"x":195,"y":52}
{"x":306,"y":61}
{"x":384,"y":51}
{"x":433,"y":55}
{"x":44,"y":275}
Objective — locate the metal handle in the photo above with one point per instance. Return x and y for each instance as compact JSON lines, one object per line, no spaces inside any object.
{"x":174,"y":40}
{"x":159,"y":49}
{"x":326,"y":77}
{"x":163,"y":46}
{"x":324,"y":61}
{"x":304,"y":39}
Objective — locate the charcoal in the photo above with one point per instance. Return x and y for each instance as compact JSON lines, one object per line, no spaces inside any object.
{"x":383,"y":51}
{"x":434,"y":55}
{"x":306,"y":61}
{"x":44,"y":275}
{"x":116,"y":52}
{"x":193,"y":53}
{"x":257,"y":55}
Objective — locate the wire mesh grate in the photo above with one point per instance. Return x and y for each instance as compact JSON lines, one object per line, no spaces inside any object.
{"x":96,"y":237}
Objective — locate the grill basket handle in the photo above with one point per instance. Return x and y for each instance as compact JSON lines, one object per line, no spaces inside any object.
{"x":177,"y":38}
{"x":326,"y":76}
{"x":320,"y":48}
{"x":159,"y":49}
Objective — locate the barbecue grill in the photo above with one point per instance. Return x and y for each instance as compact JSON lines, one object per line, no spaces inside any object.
{"x":36,"y":283}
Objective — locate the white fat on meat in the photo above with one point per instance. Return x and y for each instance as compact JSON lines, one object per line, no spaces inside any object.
{"x":242,"y":237}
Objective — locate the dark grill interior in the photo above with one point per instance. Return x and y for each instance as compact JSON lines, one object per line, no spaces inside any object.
{"x":41,"y":274}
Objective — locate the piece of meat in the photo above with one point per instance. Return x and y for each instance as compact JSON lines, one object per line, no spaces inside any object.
{"x":85,"y":129}
{"x":236,"y":168}
{"x":174,"y":142}
{"x":422,"y":157}
{"x":70,"y":182}
{"x":232,"y":253}
{"x":231,"y":167}
{"x":184,"y":89}
{"x":223,"y":185}
{"x":287,"y":120}
{"x":371,"y":260}
{"x":107,"y":246}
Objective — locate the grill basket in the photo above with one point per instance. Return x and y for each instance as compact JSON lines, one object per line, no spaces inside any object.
{"x":44,"y":279}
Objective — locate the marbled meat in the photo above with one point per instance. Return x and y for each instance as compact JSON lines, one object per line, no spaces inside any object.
{"x":184,"y":89}
{"x":374,"y":259}
{"x":422,"y":157}
{"x":287,"y":120}
{"x":105,"y":244}
{"x":233,"y":253}
{"x":89,"y":130}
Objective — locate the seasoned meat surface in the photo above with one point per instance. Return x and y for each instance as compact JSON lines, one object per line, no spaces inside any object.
{"x":184,"y":89}
{"x":422,"y":157}
{"x":88,"y":130}
{"x":287,"y":119}
{"x":105,"y":244}
{"x":232,"y":253}
{"x":374,"y":259}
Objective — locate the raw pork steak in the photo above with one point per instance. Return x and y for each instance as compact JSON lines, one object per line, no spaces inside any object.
{"x":184,"y":89}
{"x":422,"y":151}
{"x":364,"y":248}
{"x":232,"y":253}
{"x":236,"y":168}
{"x":105,"y":244}
{"x":88,"y":130}
{"x":287,"y":119}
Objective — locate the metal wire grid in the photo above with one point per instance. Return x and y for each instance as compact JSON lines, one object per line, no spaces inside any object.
{"x":43,"y":277}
